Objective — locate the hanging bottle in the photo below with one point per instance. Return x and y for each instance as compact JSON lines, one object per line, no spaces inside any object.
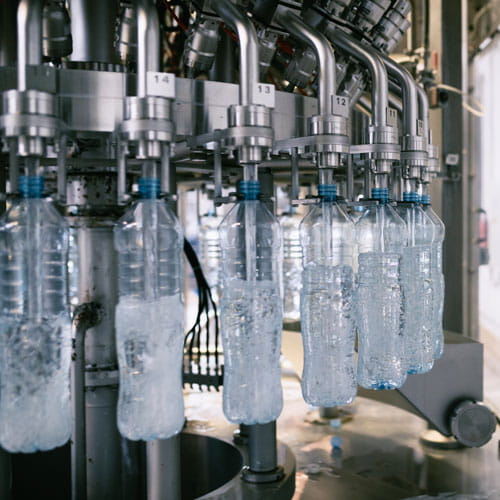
{"x":327,"y":323}
{"x":210,"y":253}
{"x":292,"y":265}
{"x":251,"y":310}
{"x":438,"y":285}
{"x":149,"y":318}
{"x":35,"y":324}
{"x":418,"y":286}
{"x":381,"y":236}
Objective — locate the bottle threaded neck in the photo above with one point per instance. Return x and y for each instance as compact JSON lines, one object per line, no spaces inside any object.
{"x":425,"y":199}
{"x":249,"y":190}
{"x":31,"y":186}
{"x":327,"y":192}
{"x":381,"y":194}
{"x":149,"y":187}
{"x":411,"y":196}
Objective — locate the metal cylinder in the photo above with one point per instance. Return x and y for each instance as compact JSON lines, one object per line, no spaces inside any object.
{"x":262,"y":449}
{"x":164,"y":469}
{"x":410,"y":96}
{"x":249,"y":47}
{"x":57,"y":41}
{"x":29,"y":38}
{"x":93,"y":30}
{"x":324,"y":56}
{"x":375,"y":66}
{"x":148,"y":43}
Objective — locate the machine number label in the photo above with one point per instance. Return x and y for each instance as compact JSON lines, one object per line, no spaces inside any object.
{"x":161,"y":84}
{"x":392,"y":117}
{"x":264,"y":93}
{"x":340,"y":105}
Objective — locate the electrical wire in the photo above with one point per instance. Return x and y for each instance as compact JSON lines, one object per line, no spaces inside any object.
{"x":204,"y":332}
{"x":478,"y":110}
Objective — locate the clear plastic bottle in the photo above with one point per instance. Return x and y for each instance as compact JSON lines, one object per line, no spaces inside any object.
{"x":381,"y":236}
{"x":292,"y":266}
{"x":327,"y":323}
{"x":210,"y":252}
{"x":149,"y":318}
{"x":251,"y":310}
{"x":438,"y":285}
{"x":35,"y":324}
{"x":418,"y":286}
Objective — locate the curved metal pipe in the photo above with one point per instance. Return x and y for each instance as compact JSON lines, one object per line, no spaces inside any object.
{"x":374,"y":64}
{"x":325,"y":57}
{"x":29,"y":38}
{"x":409,"y":93}
{"x":423,"y":111}
{"x":148,"y":43}
{"x":249,"y":46}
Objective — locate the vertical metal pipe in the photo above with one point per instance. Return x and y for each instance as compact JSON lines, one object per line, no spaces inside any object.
{"x":164,"y":469}
{"x":423,"y":112}
{"x":93,"y":30}
{"x":294,"y":192}
{"x":409,"y":93}
{"x":61,"y":169}
{"x":13,"y":167}
{"x":165,"y":169}
{"x":148,"y":43}
{"x":29,"y":38}
{"x":98,"y":283}
{"x":121,"y":172}
{"x":325,"y":57}
{"x":249,"y":47}
{"x":262,"y":447}
{"x":78,"y":445}
{"x":375,"y":65}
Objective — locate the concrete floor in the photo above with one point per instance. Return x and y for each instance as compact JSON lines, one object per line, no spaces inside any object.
{"x":380,"y":455}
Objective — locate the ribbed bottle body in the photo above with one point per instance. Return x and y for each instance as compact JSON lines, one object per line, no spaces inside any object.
{"x":418,"y":289}
{"x":251,"y":314}
{"x":149,"y":321}
{"x":378,"y":300}
{"x":327,"y":324}
{"x":381,"y":236}
{"x":292,"y":267}
{"x":210,"y":252}
{"x":437,"y":280}
{"x":35,"y":328}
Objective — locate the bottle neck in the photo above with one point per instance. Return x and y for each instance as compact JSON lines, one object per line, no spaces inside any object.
{"x":31,"y":186}
{"x":327,"y":192}
{"x":381,"y":194}
{"x":411,"y":196}
{"x":249,"y":189}
{"x":149,"y":188}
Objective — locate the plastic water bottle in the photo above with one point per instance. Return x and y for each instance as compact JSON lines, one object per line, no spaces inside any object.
{"x":292,"y":266}
{"x":149,"y":318}
{"x":328,"y":331}
{"x":438,"y":285}
{"x":210,"y":252}
{"x":35,"y":324}
{"x":381,"y":236}
{"x":251,"y":310}
{"x":418,"y":286}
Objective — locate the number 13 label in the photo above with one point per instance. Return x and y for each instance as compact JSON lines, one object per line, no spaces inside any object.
{"x":264,"y":93}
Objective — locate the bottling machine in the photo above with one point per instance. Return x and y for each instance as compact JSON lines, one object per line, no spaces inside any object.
{"x":208,"y":92}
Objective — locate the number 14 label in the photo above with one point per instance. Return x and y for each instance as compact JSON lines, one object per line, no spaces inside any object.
{"x":161,"y":84}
